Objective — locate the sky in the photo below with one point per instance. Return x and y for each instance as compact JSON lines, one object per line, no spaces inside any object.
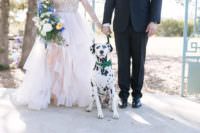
{"x":170,"y":9}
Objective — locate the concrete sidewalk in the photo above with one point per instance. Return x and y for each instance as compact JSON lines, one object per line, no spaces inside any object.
{"x":159,"y":114}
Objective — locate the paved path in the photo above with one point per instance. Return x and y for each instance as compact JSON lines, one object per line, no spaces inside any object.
{"x":159,"y":114}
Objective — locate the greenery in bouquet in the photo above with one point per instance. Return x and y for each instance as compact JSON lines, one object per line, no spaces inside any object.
{"x":49,"y":26}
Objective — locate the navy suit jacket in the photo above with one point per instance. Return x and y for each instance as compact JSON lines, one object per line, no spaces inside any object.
{"x":140,"y":12}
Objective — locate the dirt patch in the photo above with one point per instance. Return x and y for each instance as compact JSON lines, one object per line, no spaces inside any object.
{"x":162,"y":69}
{"x":11,"y":78}
{"x":163,"y":74}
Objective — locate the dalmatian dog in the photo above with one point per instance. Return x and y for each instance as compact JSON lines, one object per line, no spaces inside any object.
{"x":102,"y":81}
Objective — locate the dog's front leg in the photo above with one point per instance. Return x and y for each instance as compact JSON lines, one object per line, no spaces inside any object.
{"x":114,"y":107}
{"x":92,"y":100}
{"x":99,"y":108}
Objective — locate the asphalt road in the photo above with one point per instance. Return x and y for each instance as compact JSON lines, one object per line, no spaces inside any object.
{"x":159,"y":114}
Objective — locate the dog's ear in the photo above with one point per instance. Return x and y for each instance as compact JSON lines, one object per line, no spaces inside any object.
{"x":92,"y":48}
{"x":110,"y":47}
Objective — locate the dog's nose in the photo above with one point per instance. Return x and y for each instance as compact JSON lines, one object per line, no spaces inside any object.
{"x":101,"y":52}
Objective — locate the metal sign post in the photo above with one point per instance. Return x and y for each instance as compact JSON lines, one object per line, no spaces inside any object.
{"x":191,"y":54}
{"x":184,"y":46}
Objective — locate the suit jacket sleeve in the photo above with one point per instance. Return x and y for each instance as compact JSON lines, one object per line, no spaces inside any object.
{"x":155,"y":11}
{"x":108,"y":11}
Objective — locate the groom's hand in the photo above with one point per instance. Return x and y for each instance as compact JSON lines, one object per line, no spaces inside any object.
{"x":151,"y":29}
{"x":106,"y":30}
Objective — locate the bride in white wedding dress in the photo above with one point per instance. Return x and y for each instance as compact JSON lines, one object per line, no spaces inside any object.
{"x":60,"y":74}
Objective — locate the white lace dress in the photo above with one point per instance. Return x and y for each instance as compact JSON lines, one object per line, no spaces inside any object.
{"x":60,"y":73}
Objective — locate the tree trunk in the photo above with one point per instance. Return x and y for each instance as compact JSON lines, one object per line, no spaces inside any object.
{"x":4,"y":30}
{"x":30,"y":32}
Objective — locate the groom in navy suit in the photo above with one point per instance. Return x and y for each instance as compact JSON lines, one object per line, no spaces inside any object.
{"x":134,"y":22}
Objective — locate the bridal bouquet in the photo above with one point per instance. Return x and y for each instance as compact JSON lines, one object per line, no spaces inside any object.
{"x":49,"y":27}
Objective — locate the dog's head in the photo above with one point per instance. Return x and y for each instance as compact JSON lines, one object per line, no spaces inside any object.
{"x":101,"y":50}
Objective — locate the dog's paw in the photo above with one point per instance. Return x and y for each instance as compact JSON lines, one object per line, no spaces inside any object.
{"x":88,"y":109}
{"x":100,"y":115}
{"x":115,"y":116}
{"x":110,"y":109}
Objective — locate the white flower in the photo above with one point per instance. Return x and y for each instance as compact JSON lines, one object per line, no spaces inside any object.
{"x":36,"y":19}
{"x":47,"y":27}
{"x":43,"y":33}
{"x":42,"y":23}
{"x":48,"y":14}
{"x":37,"y":22}
{"x":52,"y":22}
{"x":38,"y":26}
{"x":44,"y":6}
{"x":46,"y":1}
{"x":45,"y":21}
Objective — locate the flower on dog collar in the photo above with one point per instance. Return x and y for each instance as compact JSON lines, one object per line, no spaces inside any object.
{"x":105,"y":64}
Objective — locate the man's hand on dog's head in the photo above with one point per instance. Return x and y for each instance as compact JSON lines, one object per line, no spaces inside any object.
{"x":106,"y":30}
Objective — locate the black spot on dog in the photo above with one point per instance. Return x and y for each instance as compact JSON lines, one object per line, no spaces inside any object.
{"x":104,"y":72}
{"x":110,"y":47}
{"x":96,"y":68}
{"x":92,"y":48}
{"x":92,"y":84}
{"x":101,"y":60}
{"x":106,"y":88}
{"x":98,"y":59}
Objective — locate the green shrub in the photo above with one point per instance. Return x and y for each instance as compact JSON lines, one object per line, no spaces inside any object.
{"x":173,"y":28}
{"x":3,"y":67}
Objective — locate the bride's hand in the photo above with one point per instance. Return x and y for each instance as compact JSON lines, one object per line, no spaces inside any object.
{"x":106,"y":30}
{"x":100,"y":26}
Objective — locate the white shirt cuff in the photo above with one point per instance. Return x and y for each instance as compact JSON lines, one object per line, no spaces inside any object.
{"x":106,"y":24}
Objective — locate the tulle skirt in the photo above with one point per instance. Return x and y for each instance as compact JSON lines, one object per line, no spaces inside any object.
{"x":60,"y":74}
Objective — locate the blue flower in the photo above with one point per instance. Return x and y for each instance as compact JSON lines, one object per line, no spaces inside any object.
{"x":53,"y":16}
{"x":41,"y":7}
{"x":51,"y":9}
{"x":40,"y":13}
{"x":62,"y":29}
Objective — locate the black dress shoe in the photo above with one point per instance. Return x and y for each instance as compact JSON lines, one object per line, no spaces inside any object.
{"x":124,"y":104}
{"x":136,"y":103}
